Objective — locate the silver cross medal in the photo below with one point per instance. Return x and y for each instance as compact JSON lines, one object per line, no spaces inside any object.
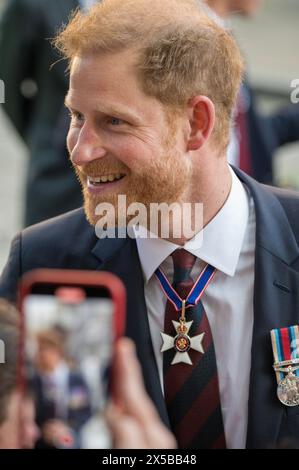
{"x":182,"y":342}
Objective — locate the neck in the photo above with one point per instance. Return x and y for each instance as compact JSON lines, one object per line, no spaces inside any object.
{"x":212,"y":195}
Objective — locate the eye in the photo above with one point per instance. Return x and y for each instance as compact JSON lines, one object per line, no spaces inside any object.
{"x":114,"y":121}
{"x":76,"y":116}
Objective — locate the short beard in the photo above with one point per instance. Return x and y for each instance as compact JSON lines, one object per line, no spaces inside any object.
{"x":164,"y":180}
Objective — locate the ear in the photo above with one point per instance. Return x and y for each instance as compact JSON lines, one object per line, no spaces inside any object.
{"x":201,"y":112}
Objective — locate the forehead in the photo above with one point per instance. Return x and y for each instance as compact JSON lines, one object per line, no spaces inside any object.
{"x":108,"y":79}
{"x":105,"y":68}
{"x":108,"y":84}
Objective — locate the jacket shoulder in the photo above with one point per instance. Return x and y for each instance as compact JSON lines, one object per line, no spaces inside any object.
{"x":60,"y":241}
{"x":289,"y":199}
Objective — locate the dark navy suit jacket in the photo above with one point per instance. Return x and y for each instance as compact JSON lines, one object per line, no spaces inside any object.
{"x":68,"y":241}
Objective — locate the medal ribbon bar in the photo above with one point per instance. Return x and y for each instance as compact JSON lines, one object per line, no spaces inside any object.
{"x":285,"y":345}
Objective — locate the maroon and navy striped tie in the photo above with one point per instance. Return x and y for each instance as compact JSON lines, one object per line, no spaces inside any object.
{"x":192,"y":391}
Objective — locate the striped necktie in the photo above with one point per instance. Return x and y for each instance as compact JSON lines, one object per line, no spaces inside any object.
{"x":192,"y":391}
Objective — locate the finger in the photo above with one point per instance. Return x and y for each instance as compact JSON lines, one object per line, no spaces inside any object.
{"x":158,"y":436}
{"x":126,"y":431}
{"x":129,"y":433}
{"x":129,"y":388}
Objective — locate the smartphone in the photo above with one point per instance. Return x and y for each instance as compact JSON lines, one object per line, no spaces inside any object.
{"x":70,"y":321}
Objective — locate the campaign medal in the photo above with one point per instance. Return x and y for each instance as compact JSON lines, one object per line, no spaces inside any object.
{"x":285,"y":344}
{"x":182,"y":342}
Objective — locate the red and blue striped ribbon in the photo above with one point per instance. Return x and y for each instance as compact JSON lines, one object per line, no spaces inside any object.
{"x":285,"y":345}
{"x":196,"y":292}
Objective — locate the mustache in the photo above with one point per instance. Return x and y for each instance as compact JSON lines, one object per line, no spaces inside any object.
{"x":99,"y":168}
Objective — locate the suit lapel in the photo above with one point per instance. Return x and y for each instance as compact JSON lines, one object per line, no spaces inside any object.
{"x":275,"y":306}
{"x":120,"y":257}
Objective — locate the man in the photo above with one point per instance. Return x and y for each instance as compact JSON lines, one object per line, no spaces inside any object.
{"x":257,"y":136}
{"x":152,"y":92}
{"x":17,"y":414}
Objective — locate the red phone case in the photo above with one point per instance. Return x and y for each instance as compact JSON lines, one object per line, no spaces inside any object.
{"x":74,"y":278}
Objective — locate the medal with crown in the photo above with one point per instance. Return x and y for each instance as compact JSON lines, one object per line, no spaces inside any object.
{"x":182,"y":342}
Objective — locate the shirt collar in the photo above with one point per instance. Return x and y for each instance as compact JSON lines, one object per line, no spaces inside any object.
{"x":219,"y":244}
{"x":60,"y":373}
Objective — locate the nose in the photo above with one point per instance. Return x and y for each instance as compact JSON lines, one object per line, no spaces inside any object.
{"x":85,"y":145}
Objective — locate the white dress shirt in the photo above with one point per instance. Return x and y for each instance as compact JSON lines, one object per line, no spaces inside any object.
{"x":60,"y":382}
{"x":227,"y":243}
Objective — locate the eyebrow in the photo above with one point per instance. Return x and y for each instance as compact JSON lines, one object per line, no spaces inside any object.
{"x":108,"y":110}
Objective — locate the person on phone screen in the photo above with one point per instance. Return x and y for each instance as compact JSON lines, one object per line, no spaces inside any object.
{"x":61,"y":394}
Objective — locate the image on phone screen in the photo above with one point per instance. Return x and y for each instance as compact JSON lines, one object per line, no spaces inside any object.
{"x":68,"y":343}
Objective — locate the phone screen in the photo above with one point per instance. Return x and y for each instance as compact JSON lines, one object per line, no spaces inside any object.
{"x":68,"y":346}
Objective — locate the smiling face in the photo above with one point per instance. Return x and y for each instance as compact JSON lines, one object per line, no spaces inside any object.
{"x":121,"y":141}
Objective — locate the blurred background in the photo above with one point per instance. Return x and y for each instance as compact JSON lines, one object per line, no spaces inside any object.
{"x":270,"y":43}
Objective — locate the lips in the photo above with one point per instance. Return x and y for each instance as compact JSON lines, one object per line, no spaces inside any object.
{"x":97,"y":184}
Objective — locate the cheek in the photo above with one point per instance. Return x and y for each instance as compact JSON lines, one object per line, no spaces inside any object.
{"x":72,"y":139}
{"x":134,"y":153}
